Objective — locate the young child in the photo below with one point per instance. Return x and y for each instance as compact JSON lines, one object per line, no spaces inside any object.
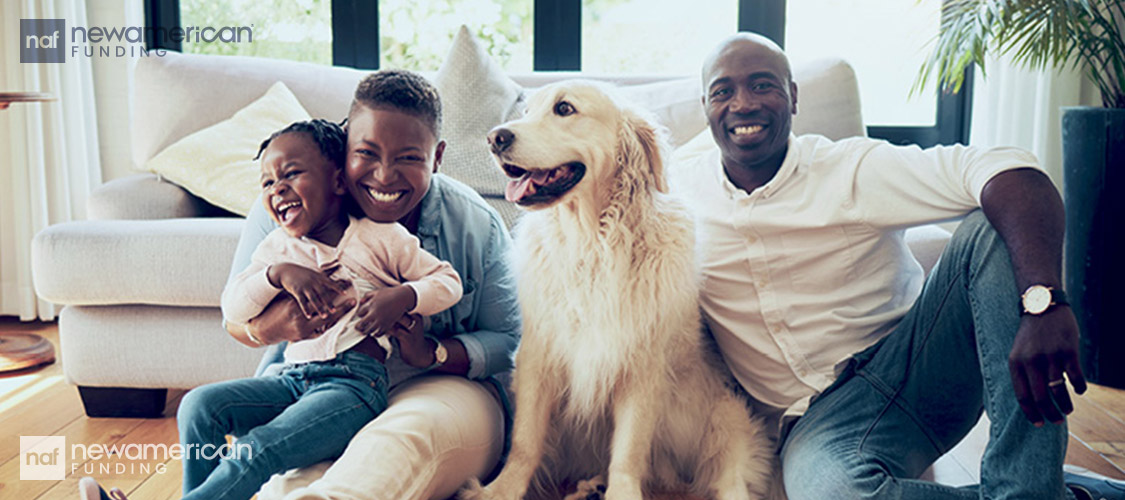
{"x":335,"y":383}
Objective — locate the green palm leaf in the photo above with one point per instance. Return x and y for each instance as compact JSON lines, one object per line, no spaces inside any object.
{"x":1038,"y":34}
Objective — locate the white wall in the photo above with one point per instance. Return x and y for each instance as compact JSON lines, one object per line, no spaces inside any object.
{"x":113,"y":78}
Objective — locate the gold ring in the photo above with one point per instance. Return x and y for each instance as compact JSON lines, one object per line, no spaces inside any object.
{"x":1055,"y":383}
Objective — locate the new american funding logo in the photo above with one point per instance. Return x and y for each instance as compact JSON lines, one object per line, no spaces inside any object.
{"x":47,"y":458}
{"x":49,"y":40}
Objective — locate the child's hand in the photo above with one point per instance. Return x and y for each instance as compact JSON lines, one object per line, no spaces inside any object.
{"x":413,"y":346}
{"x":313,"y":290}
{"x":381,"y":309}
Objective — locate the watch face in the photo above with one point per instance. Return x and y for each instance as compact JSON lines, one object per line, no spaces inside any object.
{"x":1037,"y":299}
{"x":441,"y":354}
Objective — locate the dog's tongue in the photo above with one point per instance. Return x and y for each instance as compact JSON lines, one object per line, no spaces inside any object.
{"x":526,"y":185}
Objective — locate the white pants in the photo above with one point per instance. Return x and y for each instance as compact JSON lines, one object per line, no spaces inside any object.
{"x":436,"y":434}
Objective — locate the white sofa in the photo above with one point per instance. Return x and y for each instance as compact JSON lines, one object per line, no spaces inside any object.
{"x":141,"y":279}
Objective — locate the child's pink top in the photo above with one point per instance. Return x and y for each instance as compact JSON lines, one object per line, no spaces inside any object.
{"x":384,"y":254}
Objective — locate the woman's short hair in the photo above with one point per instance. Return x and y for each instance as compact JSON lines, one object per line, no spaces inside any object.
{"x":329,"y":137}
{"x":402,"y":91}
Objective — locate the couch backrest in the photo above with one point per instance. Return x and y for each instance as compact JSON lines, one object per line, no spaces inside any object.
{"x":178,"y":94}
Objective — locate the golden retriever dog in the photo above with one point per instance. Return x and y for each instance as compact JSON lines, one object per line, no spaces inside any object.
{"x":613,"y":376}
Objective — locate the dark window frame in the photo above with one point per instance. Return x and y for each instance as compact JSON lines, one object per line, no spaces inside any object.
{"x":558,"y":47}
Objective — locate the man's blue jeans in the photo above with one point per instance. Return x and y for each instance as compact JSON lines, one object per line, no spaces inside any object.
{"x":908,"y":399}
{"x":304,"y":415}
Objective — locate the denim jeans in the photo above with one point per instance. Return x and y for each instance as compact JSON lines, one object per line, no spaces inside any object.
{"x":908,"y":399}
{"x":306,"y":414}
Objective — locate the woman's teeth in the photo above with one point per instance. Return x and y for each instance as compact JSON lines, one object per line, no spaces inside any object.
{"x":747,"y":129}
{"x":385,"y":197}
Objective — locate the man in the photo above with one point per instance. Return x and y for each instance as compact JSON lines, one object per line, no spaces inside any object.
{"x":821,"y":312}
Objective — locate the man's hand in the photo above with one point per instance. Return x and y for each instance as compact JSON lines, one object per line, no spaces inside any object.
{"x":283,"y":320}
{"x":1046,"y":346}
{"x":313,"y":289}
{"x":381,"y":309}
{"x":1026,"y":210}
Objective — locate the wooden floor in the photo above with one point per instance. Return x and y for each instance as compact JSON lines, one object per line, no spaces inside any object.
{"x":39,"y":402}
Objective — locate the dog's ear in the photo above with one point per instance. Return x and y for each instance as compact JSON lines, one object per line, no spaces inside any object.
{"x":641,"y":144}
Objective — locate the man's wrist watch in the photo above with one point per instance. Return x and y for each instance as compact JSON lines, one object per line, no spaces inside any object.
{"x":1038,"y":299}
{"x":441,"y":354}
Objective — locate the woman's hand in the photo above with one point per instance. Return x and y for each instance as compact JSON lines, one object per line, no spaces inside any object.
{"x":381,"y":309}
{"x":413,"y":346}
{"x":314,"y":290}
{"x":283,"y":319}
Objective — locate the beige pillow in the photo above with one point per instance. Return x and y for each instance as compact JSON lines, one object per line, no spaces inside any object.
{"x":217,"y":163}
{"x":476,"y":95}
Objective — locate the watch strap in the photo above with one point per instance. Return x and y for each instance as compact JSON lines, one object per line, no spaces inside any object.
{"x":1058,"y":298}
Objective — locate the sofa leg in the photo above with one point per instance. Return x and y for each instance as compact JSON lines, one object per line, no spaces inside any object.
{"x":120,"y":402}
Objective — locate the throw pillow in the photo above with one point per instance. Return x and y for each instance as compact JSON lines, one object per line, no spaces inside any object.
{"x":217,"y":163}
{"x":476,"y":96}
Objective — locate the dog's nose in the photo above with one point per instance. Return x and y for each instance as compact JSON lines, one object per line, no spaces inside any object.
{"x":501,"y":139}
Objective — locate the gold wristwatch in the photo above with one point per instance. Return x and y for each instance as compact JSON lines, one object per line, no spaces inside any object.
{"x":1038,"y":299}
{"x":441,"y":354}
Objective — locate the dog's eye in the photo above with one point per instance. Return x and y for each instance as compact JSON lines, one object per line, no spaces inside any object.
{"x":564,"y":108}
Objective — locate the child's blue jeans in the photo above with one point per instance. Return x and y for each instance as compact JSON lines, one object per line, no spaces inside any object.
{"x":304,"y":415}
{"x":911,"y":397}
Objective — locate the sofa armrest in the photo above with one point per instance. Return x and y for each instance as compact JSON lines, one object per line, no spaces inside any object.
{"x":174,"y":262}
{"x":146,"y":196}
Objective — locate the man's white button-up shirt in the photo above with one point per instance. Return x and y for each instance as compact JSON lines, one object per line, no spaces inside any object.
{"x":810,"y":268}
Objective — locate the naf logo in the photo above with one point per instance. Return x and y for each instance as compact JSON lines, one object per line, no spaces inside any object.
{"x":42,"y":40}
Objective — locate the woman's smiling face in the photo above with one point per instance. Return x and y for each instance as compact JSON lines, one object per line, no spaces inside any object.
{"x":391,"y":157}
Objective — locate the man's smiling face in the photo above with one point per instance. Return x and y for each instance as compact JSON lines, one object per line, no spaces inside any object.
{"x":750,"y":101}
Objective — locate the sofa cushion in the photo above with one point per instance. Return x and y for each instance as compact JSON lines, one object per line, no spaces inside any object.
{"x":176,"y":262}
{"x":217,"y":163}
{"x":476,"y":96}
{"x":828,"y":100}
{"x":676,"y":105}
{"x":177,"y":94}
{"x":146,"y":196}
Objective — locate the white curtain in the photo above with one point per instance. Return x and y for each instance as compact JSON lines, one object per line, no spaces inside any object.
{"x":48,"y":151}
{"x":1023,"y":108}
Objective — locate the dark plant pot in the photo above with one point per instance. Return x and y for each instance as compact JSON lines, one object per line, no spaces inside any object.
{"x":1094,"y":192}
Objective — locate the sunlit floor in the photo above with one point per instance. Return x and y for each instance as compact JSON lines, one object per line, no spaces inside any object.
{"x":39,"y":402}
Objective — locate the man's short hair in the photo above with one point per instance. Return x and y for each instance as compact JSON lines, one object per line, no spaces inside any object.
{"x":328,"y":136}
{"x":402,"y":91}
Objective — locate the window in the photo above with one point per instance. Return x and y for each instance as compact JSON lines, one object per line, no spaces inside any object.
{"x":653,"y":36}
{"x":882,"y":39}
{"x":283,"y":29}
{"x":898,"y":31}
{"x":416,"y":34}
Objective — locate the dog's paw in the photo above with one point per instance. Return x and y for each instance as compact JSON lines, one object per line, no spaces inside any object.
{"x":473,"y":490}
{"x":589,"y":489}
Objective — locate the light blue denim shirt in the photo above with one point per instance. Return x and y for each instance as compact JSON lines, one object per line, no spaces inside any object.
{"x":457,"y":226}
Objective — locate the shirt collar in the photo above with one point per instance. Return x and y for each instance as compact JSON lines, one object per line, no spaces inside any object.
{"x":429,"y":221}
{"x":788,"y":167}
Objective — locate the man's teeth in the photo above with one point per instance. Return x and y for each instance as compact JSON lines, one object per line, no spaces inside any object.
{"x":747,"y":129}
{"x":384,"y":197}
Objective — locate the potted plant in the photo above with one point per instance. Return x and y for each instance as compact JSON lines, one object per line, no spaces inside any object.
{"x":1054,"y":34}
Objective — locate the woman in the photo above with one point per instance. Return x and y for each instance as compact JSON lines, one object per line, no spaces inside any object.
{"x":448,"y":413}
